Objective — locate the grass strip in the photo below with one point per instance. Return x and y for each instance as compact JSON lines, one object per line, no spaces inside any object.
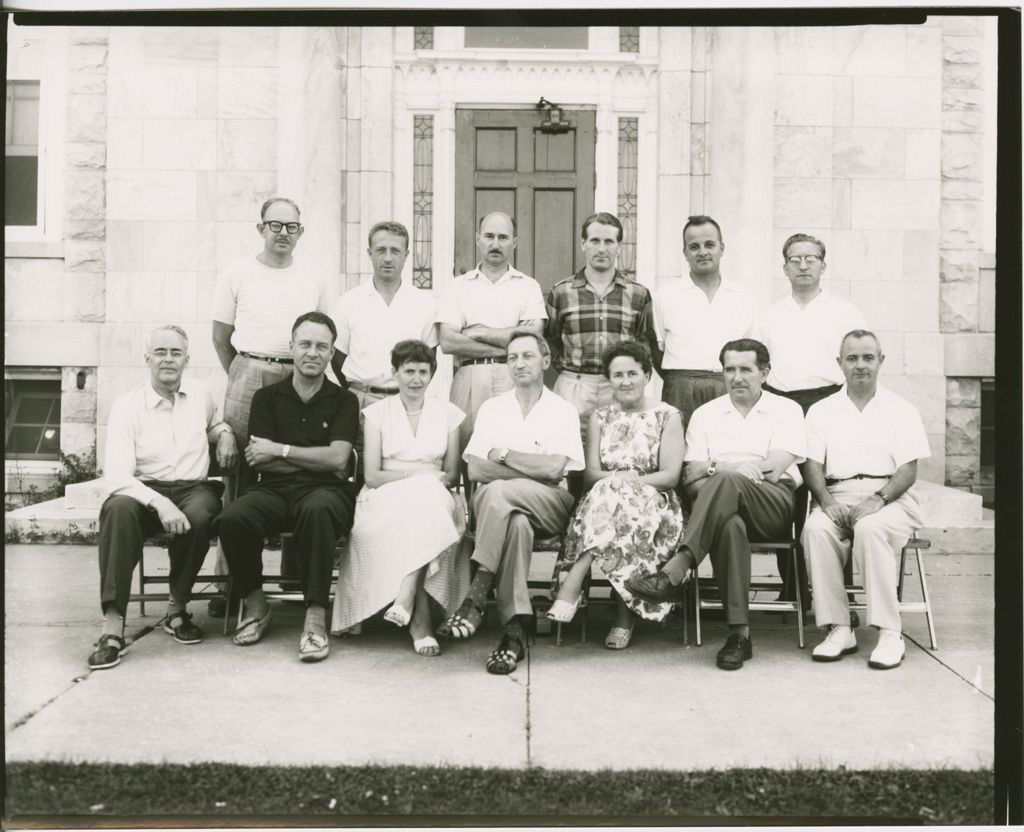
{"x":377,"y":794}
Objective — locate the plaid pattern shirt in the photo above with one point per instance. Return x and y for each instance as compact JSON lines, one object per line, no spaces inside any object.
{"x":582,"y":325}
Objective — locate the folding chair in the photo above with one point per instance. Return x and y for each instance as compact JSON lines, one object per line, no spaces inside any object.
{"x":917,"y":545}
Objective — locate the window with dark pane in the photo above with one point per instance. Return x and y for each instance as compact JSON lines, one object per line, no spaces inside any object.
{"x":423,"y":37}
{"x":629,"y":38}
{"x":526,"y":37}
{"x":988,"y":423}
{"x":32,"y":411}
{"x":627,"y":194}
{"x":422,"y":201}
{"x":21,"y":154}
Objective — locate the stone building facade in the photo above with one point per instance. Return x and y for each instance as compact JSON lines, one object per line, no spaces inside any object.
{"x":157,"y":146}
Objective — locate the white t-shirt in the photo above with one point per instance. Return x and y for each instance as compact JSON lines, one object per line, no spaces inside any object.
{"x":551,"y":427}
{"x":472,"y":299}
{"x":718,"y":431}
{"x":262,"y":304}
{"x":804,"y":341}
{"x":369,"y":328}
{"x":692,"y":330}
{"x":886,"y":434}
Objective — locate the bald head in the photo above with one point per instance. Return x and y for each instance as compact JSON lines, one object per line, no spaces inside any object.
{"x":495,"y":241}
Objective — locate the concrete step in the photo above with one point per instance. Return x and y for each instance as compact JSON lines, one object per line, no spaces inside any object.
{"x":85,"y":495}
{"x":942,"y":505}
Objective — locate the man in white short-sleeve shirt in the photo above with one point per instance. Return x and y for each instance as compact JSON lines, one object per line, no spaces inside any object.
{"x":740,"y":470}
{"x":694,"y":316}
{"x":863,"y":445}
{"x":477,"y":313}
{"x":803,"y":329}
{"x":372,"y":318}
{"x":524,"y":443}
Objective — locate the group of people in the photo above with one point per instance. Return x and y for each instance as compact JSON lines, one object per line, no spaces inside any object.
{"x":752,"y":408}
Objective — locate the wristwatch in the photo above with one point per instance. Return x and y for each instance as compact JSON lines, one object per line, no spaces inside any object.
{"x":885,"y":497}
{"x":287,"y":449}
{"x":502,"y":455}
{"x":712,"y":468}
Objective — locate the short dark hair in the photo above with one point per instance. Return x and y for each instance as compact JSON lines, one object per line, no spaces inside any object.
{"x":509,"y":217}
{"x":411,"y":350}
{"x":747,"y":345}
{"x":627,"y":349}
{"x":316,"y":318}
{"x":803,"y":238}
{"x":391,"y":227}
{"x":604,"y":218}
{"x":860,"y":333}
{"x":703,"y":219}
{"x":266,"y":206}
{"x":542,"y":345}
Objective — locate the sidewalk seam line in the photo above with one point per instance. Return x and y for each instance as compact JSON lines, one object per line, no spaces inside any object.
{"x":950,"y":669}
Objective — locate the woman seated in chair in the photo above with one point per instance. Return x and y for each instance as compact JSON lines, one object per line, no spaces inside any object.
{"x":404,"y":543}
{"x":630,"y":521}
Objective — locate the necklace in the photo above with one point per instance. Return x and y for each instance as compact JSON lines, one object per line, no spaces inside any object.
{"x":414,"y":412}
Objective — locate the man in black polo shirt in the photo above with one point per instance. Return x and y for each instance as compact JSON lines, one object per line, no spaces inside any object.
{"x":301,"y":433}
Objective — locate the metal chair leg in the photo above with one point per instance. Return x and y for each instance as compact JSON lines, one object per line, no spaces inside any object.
{"x":142,"y":581}
{"x":799,"y":596}
{"x":696,"y":604}
{"x":558,"y":634}
{"x":927,"y":600}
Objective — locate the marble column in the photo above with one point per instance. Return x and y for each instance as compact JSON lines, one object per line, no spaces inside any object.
{"x":740,"y":135}
{"x":310,"y":143}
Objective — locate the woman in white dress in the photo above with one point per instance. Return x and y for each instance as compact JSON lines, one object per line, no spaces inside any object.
{"x":404,"y":546}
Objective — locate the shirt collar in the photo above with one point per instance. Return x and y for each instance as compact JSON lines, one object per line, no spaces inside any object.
{"x":153,"y":399}
{"x":288,"y":389}
{"x":510,"y":272}
{"x":579,"y":280}
{"x":726,"y":284}
{"x":762,"y":405}
{"x":371,"y":290}
{"x":880,"y":398}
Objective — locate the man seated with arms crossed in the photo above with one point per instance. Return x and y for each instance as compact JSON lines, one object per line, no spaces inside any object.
{"x":863,"y":444}
{"x":155,"y":466}
{"x":740,"y":471}
{"x":524,"y":442}
{"x":302,"y":430}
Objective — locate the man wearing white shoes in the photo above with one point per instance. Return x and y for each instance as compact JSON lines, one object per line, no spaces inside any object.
{"x":863,"y":445}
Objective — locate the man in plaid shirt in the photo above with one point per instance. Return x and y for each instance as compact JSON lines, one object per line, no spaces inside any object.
{"x":592,"y":310}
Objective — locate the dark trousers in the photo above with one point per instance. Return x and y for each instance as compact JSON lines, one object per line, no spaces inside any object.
{"x":687,"y":390}
{"x":125,"y":524}
{"x":729,"y":512}
{"x":805,"y":398}
{"x":316,"y":514}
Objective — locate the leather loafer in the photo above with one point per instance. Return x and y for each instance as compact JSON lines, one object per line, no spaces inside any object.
{"x":656,"y":587}
{"x":737,"y":650}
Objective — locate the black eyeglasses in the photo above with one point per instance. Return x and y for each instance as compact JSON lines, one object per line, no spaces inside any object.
{"x":290,"y":227}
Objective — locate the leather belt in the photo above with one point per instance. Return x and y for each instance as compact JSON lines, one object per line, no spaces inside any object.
{"x":834,"y":480}
{"x":271,"y":358}
{"x":372,"y":388}
{"x":493,"y":360}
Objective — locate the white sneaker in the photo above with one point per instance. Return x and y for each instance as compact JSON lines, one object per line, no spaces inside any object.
{"x":839,"y":642}
{"x":889,"y":652}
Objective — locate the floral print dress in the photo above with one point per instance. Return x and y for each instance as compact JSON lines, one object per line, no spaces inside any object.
{"x":629,"y":528}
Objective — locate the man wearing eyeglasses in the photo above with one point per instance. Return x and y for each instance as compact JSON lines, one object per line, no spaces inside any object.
{"x":256,"y":300}
{"x":694,"y":316}
{"x":801,"y":330}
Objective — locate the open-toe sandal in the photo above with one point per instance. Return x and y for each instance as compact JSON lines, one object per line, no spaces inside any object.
{"x":462,"y":625}
{"x":563,"y":612}
{"x":251,"y":630}
{"x":618,"y":638}
{"x":426,"y":646}
{"x":504,"y":659}
{"x":398,"y":615}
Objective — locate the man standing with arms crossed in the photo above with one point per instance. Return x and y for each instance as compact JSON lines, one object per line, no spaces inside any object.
{"x":256,"y":300}
{"x":479,"y":311}
{"x":695,"y":316}
{"x":372,"y":318}
{"x":588,"y":312}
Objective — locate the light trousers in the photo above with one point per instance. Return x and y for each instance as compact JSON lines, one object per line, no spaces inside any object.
{"x":508,"y":512}
{"x":585,"y":392}
{"x":876,"y":544}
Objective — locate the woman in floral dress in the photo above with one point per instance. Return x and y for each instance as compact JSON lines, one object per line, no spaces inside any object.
{"x":630,"y":521}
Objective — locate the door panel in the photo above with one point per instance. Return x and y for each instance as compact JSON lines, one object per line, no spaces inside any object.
{"x":503,"y":162}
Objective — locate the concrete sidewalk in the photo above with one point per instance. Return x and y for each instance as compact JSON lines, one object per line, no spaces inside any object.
{"x":660,"y":704}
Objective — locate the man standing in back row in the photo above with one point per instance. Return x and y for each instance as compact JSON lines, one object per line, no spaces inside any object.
{"x":479,"y":311}
{"x":588,"y":312}
{"x":695,"y":316}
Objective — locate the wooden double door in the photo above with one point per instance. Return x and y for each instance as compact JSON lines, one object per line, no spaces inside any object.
{"x":504,"y":161}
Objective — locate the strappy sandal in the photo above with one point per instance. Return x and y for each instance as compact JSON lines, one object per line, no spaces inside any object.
{"x":313,"y":647}
{"x":504,"y":659}
{"x":251,"y":630}
{"x":461,"y":625}
{"x":563,"y":612}
{"x":618,"y":638}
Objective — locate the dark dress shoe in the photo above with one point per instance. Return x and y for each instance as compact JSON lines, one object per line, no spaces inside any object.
{"x":737,"y":650}
{"x":656,"y":587}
